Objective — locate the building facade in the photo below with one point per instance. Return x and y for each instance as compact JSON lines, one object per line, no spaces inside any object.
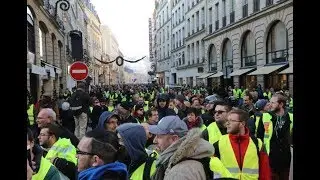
{"x":46,"y":50}
{"x":94,"y":41}
{"x":163,"y":40}
{"x":231,"y":42}
{"x":75,"y":24}
{"x":251,"y":43}
{"x":193,"y":56}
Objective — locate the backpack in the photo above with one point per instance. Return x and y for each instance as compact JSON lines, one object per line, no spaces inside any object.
{"x":76,"y":103}
{"x":205,"y":163}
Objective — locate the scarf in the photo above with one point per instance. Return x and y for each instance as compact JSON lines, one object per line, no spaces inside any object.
{"x":196,"y":123}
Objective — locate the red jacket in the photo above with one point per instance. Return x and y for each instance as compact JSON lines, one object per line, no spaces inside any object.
{"x":264,"y":168}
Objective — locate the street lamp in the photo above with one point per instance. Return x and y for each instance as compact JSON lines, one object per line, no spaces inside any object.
{"x":64,"y":6}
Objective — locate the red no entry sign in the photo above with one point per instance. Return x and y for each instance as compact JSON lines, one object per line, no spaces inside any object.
{"x":79,"y":71}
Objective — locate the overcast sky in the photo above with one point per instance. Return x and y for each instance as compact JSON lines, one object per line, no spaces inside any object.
{"x":128,"y":20}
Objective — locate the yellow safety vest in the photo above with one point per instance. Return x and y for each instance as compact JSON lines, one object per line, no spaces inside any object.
{"x":268,"y":128}
{"x":123,"y":99}
{"x":110,"y":108}
{"x":213,"y":133}
{"x":237,"y":93}
{"x":146,"y":106}
{"x":203,"y":111}
{"x":291,"y":103}
{"x":203,"y":127}
{"x":43,"y":170}
{"x":111,"y":97}
{"x":138,"y":173}
{"x":256,"y":122}
{"x":91,"y":108}
{"x":30,"y":114}
{"x":218,"y":169}
{"x":243,"y":93}
{"x":250,"y":167}
{"x":63,"y":149}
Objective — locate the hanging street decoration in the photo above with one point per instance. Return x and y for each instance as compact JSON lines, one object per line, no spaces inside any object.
{"x":119,"y":61}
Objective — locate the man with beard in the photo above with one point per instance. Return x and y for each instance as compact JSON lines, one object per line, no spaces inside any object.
{"x":108,"y":121}
{"x":182,"y":108}
{"x":248,"y":104}
{"x":124,"y":111}
{"x":278,"y":136}
{"x":218,"y":128}
{"x":242,"y":156}
{"x":61,"y":152}
{"x":182,"y":153}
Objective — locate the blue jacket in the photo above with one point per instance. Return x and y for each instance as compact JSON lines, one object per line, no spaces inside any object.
{"x":115,"y":170}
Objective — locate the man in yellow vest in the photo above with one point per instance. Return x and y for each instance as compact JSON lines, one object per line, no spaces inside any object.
{"x":97,"y":154}
{"x":242,"y":156}
{"x":61,"y":152}
{"x":236,"y":92}
{"x":277,"y":129}
{"x":255,"y":122}
{"x":218,"y":128}
{"x":48,"y":116}
{"x":31,"y":111}
{"x":289,"y":100}
{"x":133,"y":137}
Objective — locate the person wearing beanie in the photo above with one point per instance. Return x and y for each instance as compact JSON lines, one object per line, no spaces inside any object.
{"x":124,"y":111}
{"x":255,"y":121}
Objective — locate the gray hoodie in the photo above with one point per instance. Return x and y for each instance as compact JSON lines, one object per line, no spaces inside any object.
{"x":134,"y":138}
{"x":189,"y":146}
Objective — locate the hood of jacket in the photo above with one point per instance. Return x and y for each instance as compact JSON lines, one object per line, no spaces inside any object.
{"x":189,"y":146}
{"x":96,"y":173}
{"x":105,"y":117}
{"x":134,"y":138}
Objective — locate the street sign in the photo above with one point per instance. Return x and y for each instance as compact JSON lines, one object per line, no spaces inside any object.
{"x":79,"y":71}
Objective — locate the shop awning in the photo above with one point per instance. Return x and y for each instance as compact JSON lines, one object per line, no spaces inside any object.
{"x":289,"y":70}
{"x":239,"y":72}
{"x":219,"y":74}
{"x":267,"y":69}
{"x":38,"y":70}
{"x":203,"y":76}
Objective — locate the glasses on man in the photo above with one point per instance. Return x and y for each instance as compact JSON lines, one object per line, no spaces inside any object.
{"x":84,"y":153}
{"x":228,"y":121}
{"x":42,"y":134}
{"x":219,"y":112}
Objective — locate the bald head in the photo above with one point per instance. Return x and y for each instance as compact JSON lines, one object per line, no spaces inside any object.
{"x":46,"y":116}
